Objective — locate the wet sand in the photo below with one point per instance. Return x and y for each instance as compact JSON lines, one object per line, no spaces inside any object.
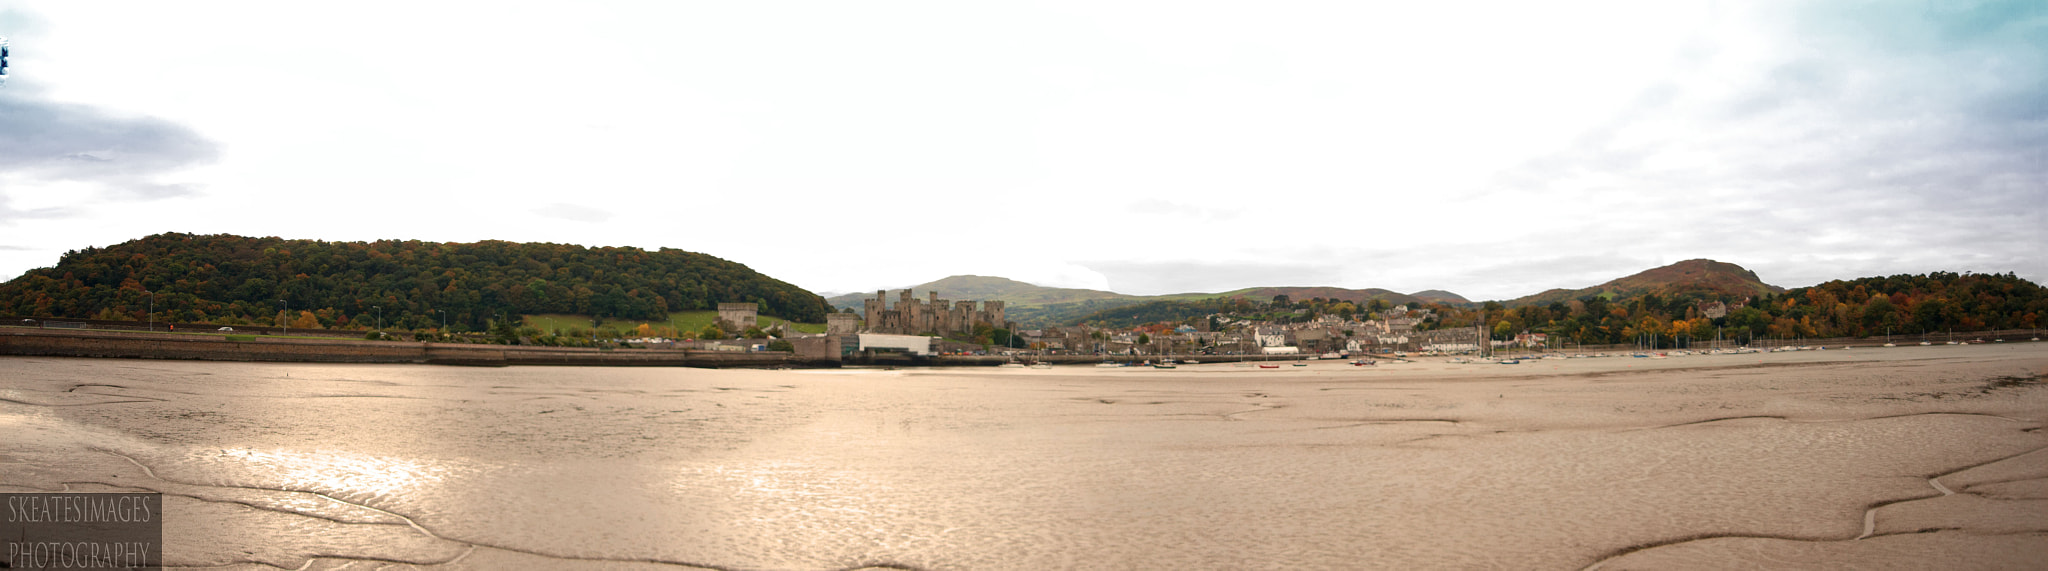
{"x":1911,"y":457}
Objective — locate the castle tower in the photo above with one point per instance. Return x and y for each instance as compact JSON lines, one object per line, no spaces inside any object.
{"x":737,"y":316}
{"x":837,"y":324}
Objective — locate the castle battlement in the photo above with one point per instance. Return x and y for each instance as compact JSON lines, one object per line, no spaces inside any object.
{"x":913,"y":316}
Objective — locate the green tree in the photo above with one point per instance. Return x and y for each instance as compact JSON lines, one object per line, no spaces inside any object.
{"x":1879,"y":314}
{"x":711,"y":332}
{"x":1931,"y":315}
{"x":503,"y":333}
{"x":1377,"y":305}
{"x":418,"y":284}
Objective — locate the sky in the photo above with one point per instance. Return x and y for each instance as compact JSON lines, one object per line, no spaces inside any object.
{"x":1492,"y":149}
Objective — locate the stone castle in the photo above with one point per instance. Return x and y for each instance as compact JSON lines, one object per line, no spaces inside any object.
{"x":737,"y":317}
{"x":913,"y":316}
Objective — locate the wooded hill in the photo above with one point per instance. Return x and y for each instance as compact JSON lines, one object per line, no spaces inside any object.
{"x":1907,"y":305}
{"x":1674,"y":304}
{"x":1697,"y":278}
{"x":235,"y":279}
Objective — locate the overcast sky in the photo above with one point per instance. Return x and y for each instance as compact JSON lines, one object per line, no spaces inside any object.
{"x":1490,"y":149}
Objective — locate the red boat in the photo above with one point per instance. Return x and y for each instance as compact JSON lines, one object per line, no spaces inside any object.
{"x":1269,"y":366}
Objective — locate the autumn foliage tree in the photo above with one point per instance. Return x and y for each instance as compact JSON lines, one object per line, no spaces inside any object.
{"x":236,"y":279}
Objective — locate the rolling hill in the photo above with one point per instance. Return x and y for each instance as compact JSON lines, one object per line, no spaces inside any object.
{"x":1036,"y":306}
{"x":1705,"y":277}
{"x":1010,"y":291}
{"x":1027,"y":304}
{"x":1439,"y":296}
{"x":1358,"y":296}
{"x":402,"y":283}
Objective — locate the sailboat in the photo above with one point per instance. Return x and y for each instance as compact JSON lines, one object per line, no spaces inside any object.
{"x":1888,"y":337}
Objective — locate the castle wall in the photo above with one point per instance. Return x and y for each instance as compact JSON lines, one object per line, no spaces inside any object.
{"x":738,"y":316}
{"x":912,"y":316}
{"x":72,"y":343}
{"x":838,"y":324}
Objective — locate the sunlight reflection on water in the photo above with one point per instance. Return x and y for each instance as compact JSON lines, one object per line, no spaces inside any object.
{"x":346,"y":475}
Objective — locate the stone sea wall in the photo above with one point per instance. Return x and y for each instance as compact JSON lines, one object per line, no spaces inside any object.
{"x":59,"y":343}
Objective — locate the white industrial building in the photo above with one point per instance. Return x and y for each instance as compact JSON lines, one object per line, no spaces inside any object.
{"x":912,"y":344}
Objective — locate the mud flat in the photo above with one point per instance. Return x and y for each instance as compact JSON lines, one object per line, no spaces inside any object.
{"x":1910,"y":457}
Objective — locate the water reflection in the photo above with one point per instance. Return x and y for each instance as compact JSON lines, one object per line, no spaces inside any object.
{"x":345,"y":475}
{"x":1431,"y":466}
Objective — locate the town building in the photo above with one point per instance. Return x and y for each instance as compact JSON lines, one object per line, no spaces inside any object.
{"x":1454,"y":340}
{"x":910,"y":344}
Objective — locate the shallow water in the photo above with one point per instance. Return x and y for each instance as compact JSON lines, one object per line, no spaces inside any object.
{"x":1706,"y":461}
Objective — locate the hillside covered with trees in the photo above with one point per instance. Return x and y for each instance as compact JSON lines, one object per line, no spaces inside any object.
{"x":234,"y":279}
{"x":1905,"y":305}
{"x":1690,"y":278}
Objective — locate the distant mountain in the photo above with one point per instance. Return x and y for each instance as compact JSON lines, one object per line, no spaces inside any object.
{"x":1358,"y":296}
{"x":1037,"y":306}
{"x":1439,"y":296}
{"x":1027,"y":304}
{"x":1010,"y":292}
{"x":1687,"y":277}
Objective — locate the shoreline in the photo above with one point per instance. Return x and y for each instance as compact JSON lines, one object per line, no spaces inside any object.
{"x":1835,"y":459}
{"x":190,"y":347}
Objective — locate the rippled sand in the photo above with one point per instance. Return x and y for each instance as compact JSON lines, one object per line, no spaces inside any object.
{"x":1913,"y":457}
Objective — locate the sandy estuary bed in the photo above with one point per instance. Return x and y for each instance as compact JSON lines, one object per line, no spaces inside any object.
{"x":1911,"y":457}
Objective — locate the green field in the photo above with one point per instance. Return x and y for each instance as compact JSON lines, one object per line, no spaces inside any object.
{"x":683,"y":321}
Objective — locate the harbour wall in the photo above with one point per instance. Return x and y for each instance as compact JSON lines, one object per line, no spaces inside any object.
{"x":60,"y":343}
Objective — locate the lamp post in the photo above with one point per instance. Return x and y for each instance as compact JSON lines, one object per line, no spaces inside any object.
{"x":287,"y":316}
{"x":152,"y":310}
{"x":444,"y":320}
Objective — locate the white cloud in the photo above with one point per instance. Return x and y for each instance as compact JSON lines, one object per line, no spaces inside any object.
{"x":579,"y":213}
{"x":1491,"y":149}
